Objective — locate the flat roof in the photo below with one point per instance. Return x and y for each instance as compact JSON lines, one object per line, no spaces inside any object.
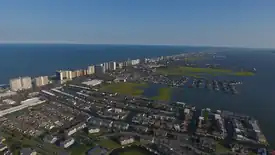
{"x":31,"y":100}
{"x":25,"y":104}
{"x":92,"y":82}
{"x":8,"y":93}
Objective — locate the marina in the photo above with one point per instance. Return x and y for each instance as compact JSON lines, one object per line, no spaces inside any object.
{"x":216,"y":85}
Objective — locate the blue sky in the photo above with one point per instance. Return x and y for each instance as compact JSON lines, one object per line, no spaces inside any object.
{"x":245,"y":23}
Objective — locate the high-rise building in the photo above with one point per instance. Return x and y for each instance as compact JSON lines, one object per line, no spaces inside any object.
{"x":128,"y":62}
{"x":20,"y":83}
{"x":15,"y":84}
{"x":69,"y":75}
{"x":106,"y":66}
{"x":99,"y":69}
{"x":74,"y":73}
{"x":84,"y":72}
{"x":112,"y":65}
{"x":81,"y":71}
{"x":135,"y":62}
{"x":125,"y":63}
{"x":91,"y":70}
{"x":120,"y":65}
{"x":78,"y":73}
{"x":38,"y":81}
{"x":41,"y":81}
{"x":60,"y":75}
{"x":26,"y":82}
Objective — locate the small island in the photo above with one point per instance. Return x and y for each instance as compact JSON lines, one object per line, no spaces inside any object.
{"x":198,"y":71}
{"x":164,"y":94}
{"x":126,"y":88}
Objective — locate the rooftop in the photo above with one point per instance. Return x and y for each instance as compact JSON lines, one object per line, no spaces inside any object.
{"x":92,"y":82}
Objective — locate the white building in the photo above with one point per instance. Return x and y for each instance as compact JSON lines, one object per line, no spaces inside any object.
{"x":120,"y":65}
{"x":41,"y":81}
{"x":93,"y":130}
{"x":76,"y":128}
{"x":62,"y":75}
{"x":2,"y":139}
{"x":9,"y":101}
{"x":92,"y":82}
{"x":70,"y":131}
{"x":186,"y":111}
{"x":3,"y":147}
{"x":112,"y":65}
{"x":20,"y":83}
{"x":100,"y":69}
{"x":81,"y":126}
{"x":67,"y":143}
{"x":126,"y":140}
{"x":91,"y":70}
{"x":15,"y":84}
{"x":26,"y":82}
{"x":24,"y":104}
{"x":120,"y":79}
{"x":106,"y":66}
{"x":135,"y":62}
{"x":50,"y":139}
{"x":69,"y":75}
{"x":201,"y":119}
{"x":7,"y":94}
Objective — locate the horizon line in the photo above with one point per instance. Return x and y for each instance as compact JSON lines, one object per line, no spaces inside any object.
{"x":132,"y":44}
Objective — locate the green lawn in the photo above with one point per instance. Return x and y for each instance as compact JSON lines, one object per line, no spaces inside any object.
{"x":110,"y":144}
{"x":221,"y":149}
{"x":134,"y":151}
{"x":126,"y":88}
{"x":252,"y":153}
{"x":80,"y":149}
{"x":197,"y":71}
{"x":244,"y":73}
{"x":22,"y":141}
{"x":164,"y":94}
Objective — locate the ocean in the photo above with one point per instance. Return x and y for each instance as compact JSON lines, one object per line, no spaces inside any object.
{"x":256,"y":98}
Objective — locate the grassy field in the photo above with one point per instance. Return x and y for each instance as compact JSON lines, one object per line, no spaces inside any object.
{"x":196,"y":71}
{"x":126,"y":88}
{"x":16,"y":139}
{"x":221,"y":149}
{"x":80,"y":149}
{"x":244,"y":73}
{"x":164,"y":94}
{"x":109,"y":144}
